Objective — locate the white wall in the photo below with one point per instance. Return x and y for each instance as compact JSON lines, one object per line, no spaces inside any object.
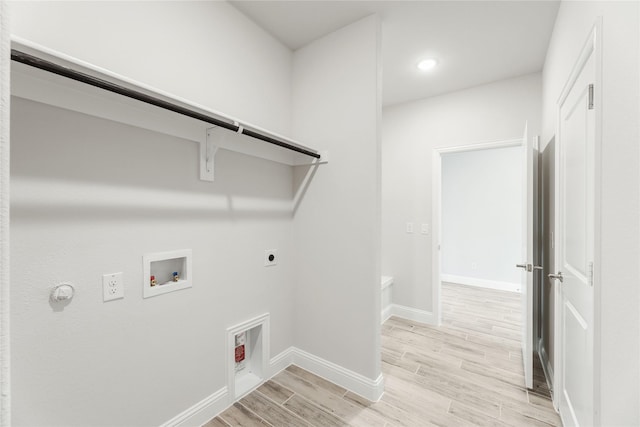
{"x":337,"y":224}
{"x":91,"y":196}
{"x":410,"y":132}
{"x":482,"y":215}
{"x":618,"y":381}
{"x":204,"y":51}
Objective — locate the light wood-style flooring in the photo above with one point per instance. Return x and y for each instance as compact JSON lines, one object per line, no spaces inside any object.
{"x":467,"y":372}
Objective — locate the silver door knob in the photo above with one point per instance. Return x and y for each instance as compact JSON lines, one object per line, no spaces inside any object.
{"x":538,"y":267}
{"x":557,"y":276}
{"x":522,"y":266}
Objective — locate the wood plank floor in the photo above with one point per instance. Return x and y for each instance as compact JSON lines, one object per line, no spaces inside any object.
{"x":468,"y":372}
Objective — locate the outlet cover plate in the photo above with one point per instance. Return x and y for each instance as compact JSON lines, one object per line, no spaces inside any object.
{"x":112,"y":286}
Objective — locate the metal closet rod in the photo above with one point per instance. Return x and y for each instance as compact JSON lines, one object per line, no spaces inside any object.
{"x":72,"y":74}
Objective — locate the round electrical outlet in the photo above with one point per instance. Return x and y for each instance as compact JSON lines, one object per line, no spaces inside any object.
{"x":270,"y":257}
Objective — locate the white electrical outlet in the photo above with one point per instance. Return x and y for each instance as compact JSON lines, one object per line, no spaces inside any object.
{"x":409,"y":227}
{"x":112,"y":286}
{"x":270,"y":257}
{"x":425,"y":229}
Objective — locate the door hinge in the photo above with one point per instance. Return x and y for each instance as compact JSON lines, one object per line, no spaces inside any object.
{"x":591,"y":96}
{"x":590,"y":273}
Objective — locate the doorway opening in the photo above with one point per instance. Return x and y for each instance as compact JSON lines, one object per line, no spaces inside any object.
{"x":459,"y":363}
{"x":484,"y":214}
{"x":481,"y":205}
{"x":463,"y":266}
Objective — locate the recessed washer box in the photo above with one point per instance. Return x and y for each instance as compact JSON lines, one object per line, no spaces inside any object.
{"x":171,"y":271}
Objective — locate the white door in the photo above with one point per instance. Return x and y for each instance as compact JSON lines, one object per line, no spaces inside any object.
{"x":575,"y":243}
{"x":529,"y":229}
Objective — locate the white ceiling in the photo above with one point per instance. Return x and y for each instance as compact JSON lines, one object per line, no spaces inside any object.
{"x":476,"y":42}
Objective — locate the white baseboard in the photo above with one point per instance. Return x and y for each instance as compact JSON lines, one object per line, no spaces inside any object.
{"x":212,"y":405}
{"x":281,"y":361}
{"x":387,"y":312}
{"x":352,"y":381}
{"x":369,"y":389}
{"x":411,"y":313}
{"x":481,"y":283}
{"x":201,"y":412}
{"x":386,"y":298}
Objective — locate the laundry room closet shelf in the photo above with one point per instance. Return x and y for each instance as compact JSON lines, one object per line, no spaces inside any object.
{"x":46,"y":76}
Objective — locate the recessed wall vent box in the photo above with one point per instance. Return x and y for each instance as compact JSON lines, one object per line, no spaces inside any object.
{"x":247,"y":355}
{"x":166,"y":272}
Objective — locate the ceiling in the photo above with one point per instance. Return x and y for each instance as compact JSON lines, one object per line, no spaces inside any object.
{"x":475,"y":42}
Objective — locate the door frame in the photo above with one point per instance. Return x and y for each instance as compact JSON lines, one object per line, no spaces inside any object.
{"x":593,"y":44}
{"x":5,"y":99}
{"x":436,"y":212}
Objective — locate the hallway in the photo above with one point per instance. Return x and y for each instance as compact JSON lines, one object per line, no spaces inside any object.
{"x":466,"y":372}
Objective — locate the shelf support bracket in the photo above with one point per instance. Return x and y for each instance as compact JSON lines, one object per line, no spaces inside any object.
{"x":208,"y":152}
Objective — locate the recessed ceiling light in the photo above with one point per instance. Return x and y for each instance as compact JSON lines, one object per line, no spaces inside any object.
{"x":427,"y":64}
